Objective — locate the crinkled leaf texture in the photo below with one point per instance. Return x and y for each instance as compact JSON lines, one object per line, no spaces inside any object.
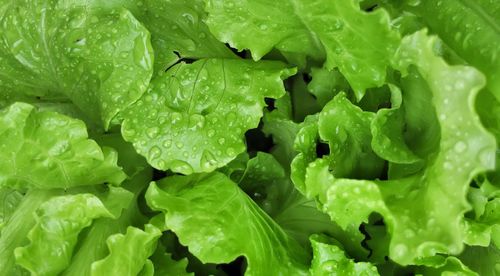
{"x":48,"y":150}
{"x":330,"y":259}
{"x":219,"y":222}
{"x":424,"y":211}
{"x":20,"y":223}
{"x":100,"y":60}
{"x":178,"y":31}
{"x":472,"y":29}
{"x":129,"y":252}
{"x":52,"y":239}
{"x":360,"y":44}
{"x":193,"y":118}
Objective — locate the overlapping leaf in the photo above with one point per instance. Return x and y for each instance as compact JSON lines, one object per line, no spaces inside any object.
{"x":193,"y":118}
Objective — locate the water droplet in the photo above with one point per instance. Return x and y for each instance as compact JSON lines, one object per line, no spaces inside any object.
{"x":152,"y":132}
{"x":221,"y":141}
{"x":460,"y":147}
{"x":339,"y":24}
{"x":181,"y":167}
{"x":196,"y":121}
{"x":211,"y":133}
{"x":167,"y":143}
{"x":487,"y":158}
{"x":230,"y":151}
{"x":263,"y":27}
{"x":329,"y":266}
{"x":400,"y":250}
{"x":207,"y":161}
{"x":154,"y":153}
{"x":179,"y":145}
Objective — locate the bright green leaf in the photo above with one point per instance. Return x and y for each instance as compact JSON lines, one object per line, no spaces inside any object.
{"x":49,"y":150}
{"x":55,"y":48}
{"x":197,"y":114}
{"x":216,"y":220}
{"x":128,"y":253}
{"x":58,"y":223}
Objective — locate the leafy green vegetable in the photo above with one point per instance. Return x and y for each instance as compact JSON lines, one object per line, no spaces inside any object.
{"x":129,"y":252}
{"x":212,"y":230}
{"x":58,"y":223}
{"x":49,"y":150}
{"x":55,"y":49}
{"x":191,"y":106}
{"x":211,"y":137}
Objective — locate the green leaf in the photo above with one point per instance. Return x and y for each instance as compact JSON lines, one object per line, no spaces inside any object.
{"x":58,"y":223}
{"x":178,"y":26}
{"x":165,"y":265}
{"x":472,"y":29}
{"x":58,"y":49}
{"x":280,"y":126}
{"x":325,"y":84}
{"x":339,"y":29}
{"x":14,"y":233}
{"x":197,"y":114}
{"x":388,"y":140}
{"x":92,"y":240}
{"x":445,"y":266}
{"x":215,"y":219}
{"x":240,"y":23}
{"x":128,"y":253}
{"x":423,"y":211}
{"x":330,"y":259}
{"x":483,"y":260}
{"x":10,"y":200}
{"x":49,"y":150}
{"x":346,"y":128}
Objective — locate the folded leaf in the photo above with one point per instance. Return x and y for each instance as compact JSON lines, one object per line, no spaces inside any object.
{"x":21,"y":222}
{"x":360,"y":44}
{"x":128,"y":253}
{"x":55,"y":48}
{"x":197,"y":114}
{"x":330,"y":259}
{"x":48,"y":150}
{"x":201,"y":210}
{"x":122,"y":204}
{"x":58,"y":223}
{"x":472,"y":32}
{"x":423,"y":211}
{"x":9,"y":201}
{"x":387,"y":127}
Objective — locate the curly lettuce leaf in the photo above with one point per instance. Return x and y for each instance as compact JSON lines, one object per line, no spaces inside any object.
{"x":423,"y":211}
{"x":60,"y":50}
{"x":21,"y":222}
{"x":48,"y":150}
{"x":165,"y":265}
{"x":388,"y":139}
{"x":129,"y":252}
{"x":122,"y":203}
{"x":346,"y":129}
{"x":9,"y":201}
{"x":279,"y":125}
{"x":197,"y":114}
{"x":330,"y":259}
{"x":55,"y":234}
{"x":209,"y":214}
{"x":325,"y":84}
{"x":360,"y":44}
{"x":472,"y":29}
